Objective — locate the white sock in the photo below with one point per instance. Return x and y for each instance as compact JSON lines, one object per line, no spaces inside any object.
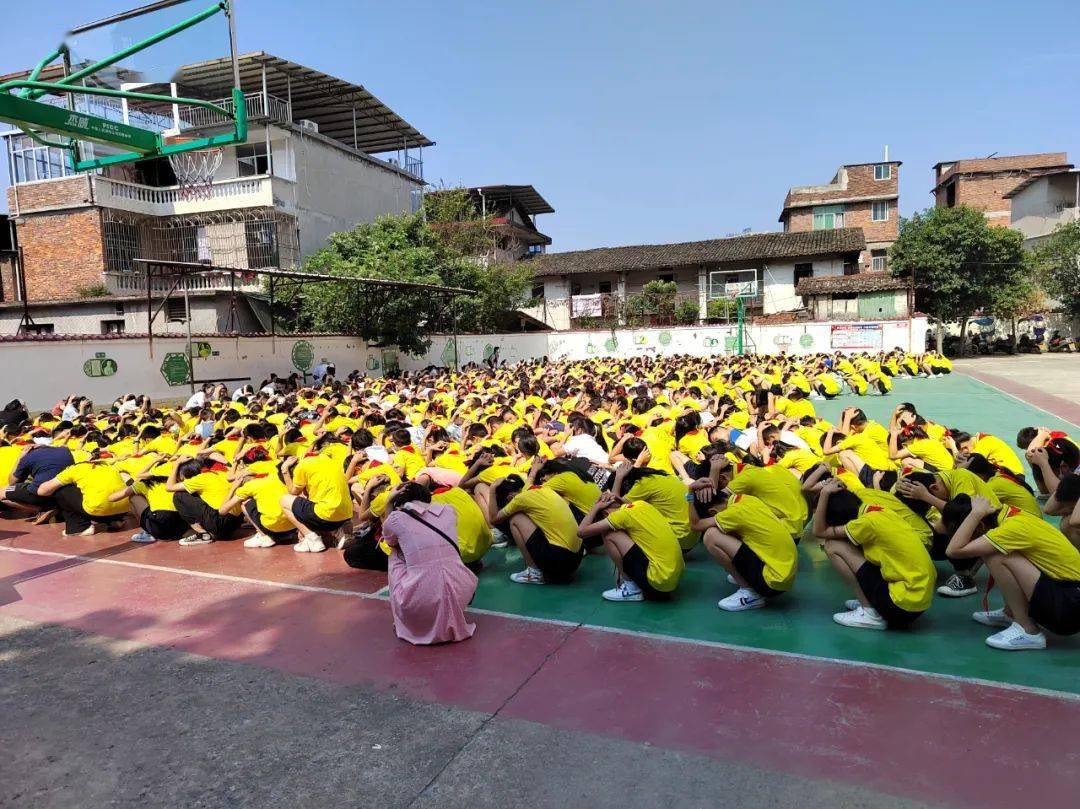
{"x":631,"y":586}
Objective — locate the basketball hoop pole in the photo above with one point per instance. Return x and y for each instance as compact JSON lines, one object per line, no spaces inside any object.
{"x":739,"y":341}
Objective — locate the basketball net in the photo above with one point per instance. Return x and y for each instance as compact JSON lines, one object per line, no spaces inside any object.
{"x":195,"y":170}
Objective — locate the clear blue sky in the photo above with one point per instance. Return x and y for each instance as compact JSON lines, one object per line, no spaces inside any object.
{"x":652,"y":122}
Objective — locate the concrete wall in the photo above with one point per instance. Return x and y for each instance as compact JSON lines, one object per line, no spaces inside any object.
{"x":61,"y":365}
{"x":1045,"y":204}
{"x":797,"y":338}
{"x":335,"y":191}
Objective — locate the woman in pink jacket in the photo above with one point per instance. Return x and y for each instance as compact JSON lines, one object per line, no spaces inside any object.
{"x":429,"y":584}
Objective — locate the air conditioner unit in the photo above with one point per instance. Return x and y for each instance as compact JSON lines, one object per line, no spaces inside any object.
{"x":308,"y":125}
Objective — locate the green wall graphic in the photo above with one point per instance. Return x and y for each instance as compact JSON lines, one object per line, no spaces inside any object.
{"x":100,"y":365}
{"x":176,"y":368}
{"x":303,"y":355}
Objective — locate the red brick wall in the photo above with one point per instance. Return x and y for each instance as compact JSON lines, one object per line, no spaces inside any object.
{"x":62,"y":252}
{"x":859,"y":215}
{"x":72,"y":192}
{"x":986,"y":194}
{"x":860,"y":183}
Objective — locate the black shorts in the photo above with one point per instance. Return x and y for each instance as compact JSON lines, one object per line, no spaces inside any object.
{"x":558,"y":564}
{"x":252,"y":512}
{"x":1056,"y":605}
{"x":166,"y":525}
{"x":888,"y":478}
{"x":876,"y":590}
{"x":20,"y":493}
{"x":963,"y":566}
{"x":752,"y":570}
{"x":635,"y":565}
{"x":304,"y":510}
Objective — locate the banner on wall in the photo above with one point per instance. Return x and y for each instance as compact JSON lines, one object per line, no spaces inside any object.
{"x":587,"y":305}
{"x":856,"y":336}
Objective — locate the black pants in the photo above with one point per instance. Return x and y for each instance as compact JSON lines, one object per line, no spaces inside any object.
{"x":70,"y":502}
{"x":194,"y":510}
{"x":20,"y":493}
{"x":963,"y":566}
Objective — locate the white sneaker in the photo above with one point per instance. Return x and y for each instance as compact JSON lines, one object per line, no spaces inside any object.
{"x":624,"y":591}
{"x":992,"y":618}
{"x":499,"y":539}
{"x":89,"y":532}
{"x":196,"y":539}
{"x":731,"y":580}
{"x":260,"y":540}
{"x":529,"y":575}
{"x":1016,"y":639}
{"x":860,"y":618}
{"x":852,"y":604}
{"x":142,"y":536}
{"x":342,"y":535}
{"x":310,"y":543}
{"x":958,"y":585}
{"x":742,"y":599}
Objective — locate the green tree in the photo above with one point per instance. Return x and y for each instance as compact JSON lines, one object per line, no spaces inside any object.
{"x":959,"y":264}
{"x":1057,"y":261}
{"x":401,"y":248}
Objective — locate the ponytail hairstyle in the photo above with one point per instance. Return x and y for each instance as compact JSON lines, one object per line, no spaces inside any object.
{"x":686,"y":423}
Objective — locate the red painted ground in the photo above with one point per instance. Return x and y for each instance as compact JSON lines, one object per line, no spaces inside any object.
{"x":1060,"y":407}
{"x":923,"y":737}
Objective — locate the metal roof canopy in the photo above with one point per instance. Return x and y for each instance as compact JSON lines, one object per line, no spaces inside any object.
{"x":525,"y":195}
{"x":184,"y":268}
{"x":339,"y":107}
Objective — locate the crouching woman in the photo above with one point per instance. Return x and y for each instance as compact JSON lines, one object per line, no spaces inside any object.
{"x":429,"y":584}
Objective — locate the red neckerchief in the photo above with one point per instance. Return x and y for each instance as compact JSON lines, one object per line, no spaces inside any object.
{"x":216,"y":466}
{"x":409,"y":448}
{"x":442,"y":489}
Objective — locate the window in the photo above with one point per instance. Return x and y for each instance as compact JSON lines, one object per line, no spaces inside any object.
{"x":950,"y":195}
{"x":850,"y":267}
{"x":112,"y":327}
{"x":803,"y":270}
{"x":575,"y":288}
{"x":34,"y":162}
{"x":879,"y":212}
{"x":828,"y":217}
{"x":879,"y":260}
{"x":882,"y":171}
{"x":538,"y":292}
{"x":39,"y":328}
{"x":667,"y":277}
{"x":119,"y":310}
{"x":175,"y":311}
{"x":604,"y":287}
{"x":844,"y":296}
{"x":251,"y":159}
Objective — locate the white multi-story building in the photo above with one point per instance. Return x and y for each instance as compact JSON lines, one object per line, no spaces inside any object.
{"x":322,"y":155}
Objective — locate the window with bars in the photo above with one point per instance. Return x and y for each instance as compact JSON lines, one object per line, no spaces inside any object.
{"x":33,"y":162}
{"x":252,"y":159}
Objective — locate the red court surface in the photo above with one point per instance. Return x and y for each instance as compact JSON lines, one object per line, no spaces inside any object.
{"x":936,"y":739}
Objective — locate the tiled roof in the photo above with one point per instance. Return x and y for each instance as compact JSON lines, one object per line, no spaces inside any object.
{"x":861,"y":282}
{"x":752,"y":247}
{"x":71,"y":338}
{"x":1035,"y":178}
{"x":990,"y":165}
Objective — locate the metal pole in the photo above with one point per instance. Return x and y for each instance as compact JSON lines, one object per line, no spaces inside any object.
{"x":266,"y":123}
{"x":230,"y":12}
{"x":190,"y":356}
{"x":273,"y":330}
{"x":453,"y":315}
{"x":149,"y":314}
{"x":739,"y":341}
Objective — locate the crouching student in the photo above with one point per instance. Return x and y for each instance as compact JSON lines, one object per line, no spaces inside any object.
{"x":878,"y":555}
{"x":81,"y":493}
{"x":153,"y":506}
{"x":1034,"y":564}
{"x":319,"y":501}
{"x":1065,"y":503}
{"x":258,"y":496}
{"x":199,"y":487}
{"x":543,"y":528}
{"x":642,"y":545}
{"x":751,"y":543}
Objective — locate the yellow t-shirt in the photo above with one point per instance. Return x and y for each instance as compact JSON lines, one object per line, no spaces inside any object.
{"x":667,"y":494}
{"x":1038,"y":541}
{"x":997,"y":452}
{"x":267,"y":493}
{"x":801,"y":460}
{"x":1011,"y":493}
{"x":891,"y":544}
{"x":550,"y":513}
{"x":931,"y":452}
{"x":212,"y":487}
{"x":409,"y":461}
{"x":872,"y":453}
{"x":890,"y":502}
{"x":9,"y":459}
{"x":649,"y":530}
{"x":96,"y":481}
{"x":474,"y":534}
{"x":574,"y":490}
{"x":778,"y":489}
{"x":961,"y":481}
{"x":323,"y":480}
{"x":158,"y":498}
{"x":752,"y":521}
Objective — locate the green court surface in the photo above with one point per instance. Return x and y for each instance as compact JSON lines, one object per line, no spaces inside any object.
{"x":943,"y":641}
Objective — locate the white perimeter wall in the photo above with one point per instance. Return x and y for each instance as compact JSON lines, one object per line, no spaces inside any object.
{"x":799,"y":338}
{"x":41,"y":372}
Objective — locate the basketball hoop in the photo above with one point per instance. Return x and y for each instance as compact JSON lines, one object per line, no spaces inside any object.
{"x":195,"y":169}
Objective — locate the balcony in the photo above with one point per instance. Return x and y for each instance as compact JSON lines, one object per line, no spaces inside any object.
{"x":240,"y":192}
{"x":260,"y":107}
{"x":134,"y":283}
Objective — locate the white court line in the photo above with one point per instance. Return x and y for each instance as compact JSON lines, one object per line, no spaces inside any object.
{"x":1019,"y":399}
{"x":732,"y":647}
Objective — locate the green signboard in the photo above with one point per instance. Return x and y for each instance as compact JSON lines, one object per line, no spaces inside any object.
{"x":201,"y":350}
{"x":665,"y":338}
{"x":176,"y":369}
{"x":100,"y":365}
{"x":303,"y":355}
{"x":806,"y":340}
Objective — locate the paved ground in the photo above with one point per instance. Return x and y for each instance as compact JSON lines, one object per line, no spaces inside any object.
{"x":213,"y":676}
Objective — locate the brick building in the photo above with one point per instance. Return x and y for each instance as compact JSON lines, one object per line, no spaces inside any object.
{"x":860,"y":195}
{"x":322,"y":155}
{"x":985,"y":183}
